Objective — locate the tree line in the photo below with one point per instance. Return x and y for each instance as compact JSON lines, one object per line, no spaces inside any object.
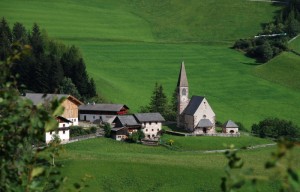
{"x":52,"y":67}
{"x":275,"y":35}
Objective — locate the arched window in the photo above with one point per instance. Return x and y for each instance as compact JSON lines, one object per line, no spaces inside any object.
{"x":183,"y":91}
{"x":204,"y":116}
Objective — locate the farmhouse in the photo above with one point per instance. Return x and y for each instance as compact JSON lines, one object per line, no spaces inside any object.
{"x":150,"y":123}
{"x":70,"y":104}
{"x":101,"y":112}
{"x":63,"y":130}
{"x":194,"y":115}
{"x":125,"y":125}
{"x":67,"y":119}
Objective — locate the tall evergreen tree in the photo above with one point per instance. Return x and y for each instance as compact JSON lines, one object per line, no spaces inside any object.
{"x":5,"y":39}
{"x":19,"y":33}
{"x":158,"y":102}
{"x":36,"y":40}
{"x":80,"y":78}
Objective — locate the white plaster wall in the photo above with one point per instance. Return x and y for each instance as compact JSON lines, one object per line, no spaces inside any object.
{"x":74,"y":121}
{"x":204,"y":109}
{"x":236,"y":130}
{"x":93,"y":117}
{"x":64,"y":135}
{"x":64,"y":124}
{"x":208,"y":131}
{"x":151,"y":129}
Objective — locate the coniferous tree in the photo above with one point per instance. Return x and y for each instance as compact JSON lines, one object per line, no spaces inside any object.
{"x":19,"y":33}
{"x":36,"y":41}
{"x":5,"y":39}
{"x":158,"y":102}
{"x":67,"y":87}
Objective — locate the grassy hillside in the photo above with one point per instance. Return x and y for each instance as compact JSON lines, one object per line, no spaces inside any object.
{"x":283,"y":69}
{"x":129,"y":45}
{"x":130,"y":167}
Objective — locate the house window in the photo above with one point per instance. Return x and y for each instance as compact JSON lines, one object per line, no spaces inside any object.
{"x":156,"y":123}
{"x":152,"y":129}
{"x":93,"y":117}
{"x":153,"y":135}
{"x":64,"y":131}
{"x":183,"y":91}
{"x":157,"y":129}
{"x":204,"y":116}
{"x":146,"y":130}
{"x":50,"y":132}
{"x":63,"y":125}
{"x":119,"y":136}
{"x":149,"y":123}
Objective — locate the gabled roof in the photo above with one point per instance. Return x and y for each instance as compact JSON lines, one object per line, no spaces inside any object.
{"x":127,"y":120}
{"x":149,"y":117}
{"x":103,"y":107}
{"x":182,"y":79}
{"x":230,"y":124}
{"x":63,"y":119}
{"x":205,"y":123}
{"x":193,"y":105}
{"x":117,"y":129}
{"x":39,"y":98}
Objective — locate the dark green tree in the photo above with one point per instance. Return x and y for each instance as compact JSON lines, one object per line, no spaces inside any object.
{"x":36,"y":41}
{"x":5,"y":39}
{"x":158,"y":102}
{"x":67,"y":87}
{"x":19,"y":33}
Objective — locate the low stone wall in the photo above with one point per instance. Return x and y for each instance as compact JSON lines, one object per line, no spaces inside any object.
{"x":212,"y":135}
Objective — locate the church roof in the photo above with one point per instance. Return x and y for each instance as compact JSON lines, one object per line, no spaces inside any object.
{"x":193,"y":105}
{"x":230,"y":124}
{"x":205,"y":123}
{"x":149,"y":117}
{"x":182,"y":79}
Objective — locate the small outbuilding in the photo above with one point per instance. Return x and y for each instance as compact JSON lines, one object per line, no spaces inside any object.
{"x":230,"y":127}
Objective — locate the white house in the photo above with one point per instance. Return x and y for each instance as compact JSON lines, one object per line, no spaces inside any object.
{"x":67,"y":119}
{"x":63,"y":131}
{"x":151,"y":123}
{"x":194,"y":115}
{"x":125,"y":125}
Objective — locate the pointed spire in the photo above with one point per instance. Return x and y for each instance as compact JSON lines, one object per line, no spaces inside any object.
{"x":182,"y":79}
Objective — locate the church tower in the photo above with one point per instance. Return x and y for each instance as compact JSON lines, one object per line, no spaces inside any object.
{"x":182,"y":95}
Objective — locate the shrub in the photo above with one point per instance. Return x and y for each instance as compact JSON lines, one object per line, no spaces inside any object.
{"x":107,"y":129}
{"x":275,"y":128}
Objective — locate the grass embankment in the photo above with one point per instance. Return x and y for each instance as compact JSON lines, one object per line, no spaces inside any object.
{"x":283,"y":69}
{"x":118,"y":166}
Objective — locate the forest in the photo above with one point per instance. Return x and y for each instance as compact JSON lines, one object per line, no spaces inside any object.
{"x":51,"y":66}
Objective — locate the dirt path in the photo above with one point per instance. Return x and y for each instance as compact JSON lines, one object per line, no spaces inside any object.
{"x":247,"y":148}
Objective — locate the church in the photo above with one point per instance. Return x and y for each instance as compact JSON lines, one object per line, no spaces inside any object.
{"x":195,"y":115}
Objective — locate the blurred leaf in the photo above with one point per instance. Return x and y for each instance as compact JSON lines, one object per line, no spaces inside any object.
{"x":37,"y":171}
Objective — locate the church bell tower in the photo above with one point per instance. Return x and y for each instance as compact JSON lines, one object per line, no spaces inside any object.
{"x":182,"y":95}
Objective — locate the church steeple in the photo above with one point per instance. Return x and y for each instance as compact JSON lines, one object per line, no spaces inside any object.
{"x":182,"y":79}
{"x":182,"y":94}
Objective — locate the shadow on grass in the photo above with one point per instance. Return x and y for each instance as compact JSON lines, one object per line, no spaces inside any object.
{"x":253,"y":64}
{"x":172,"y":126}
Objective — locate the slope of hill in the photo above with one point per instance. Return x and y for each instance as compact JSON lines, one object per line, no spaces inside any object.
{"x":129,"y":45}
{"x":283,"y":69}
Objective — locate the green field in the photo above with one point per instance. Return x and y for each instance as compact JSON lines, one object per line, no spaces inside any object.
{"x":129,"y":45}
{"x":283,"y":69}
{"x":118,"y":166}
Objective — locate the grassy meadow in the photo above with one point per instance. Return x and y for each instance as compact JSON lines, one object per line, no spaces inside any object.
{"x":284,"y":69}
{"x":118,"y":166}
{"x":129,"y":45}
